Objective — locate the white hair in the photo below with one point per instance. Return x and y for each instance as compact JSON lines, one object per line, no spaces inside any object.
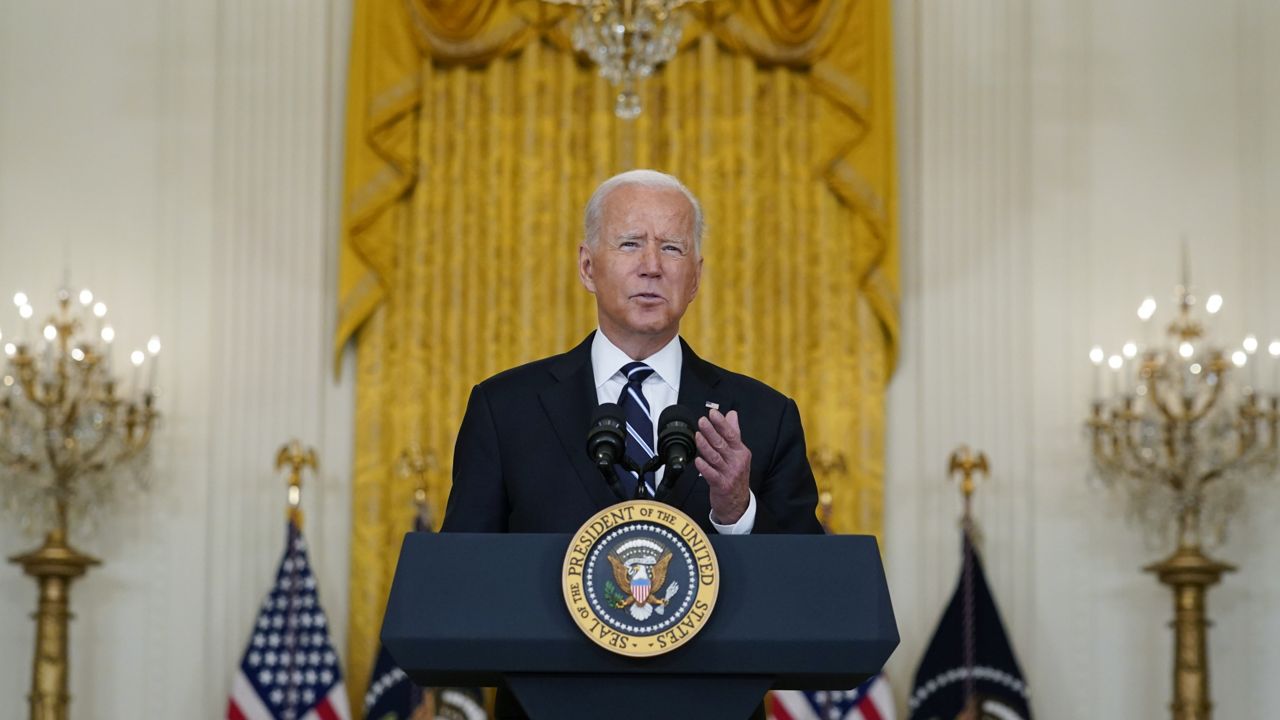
{"x":593,"y":217}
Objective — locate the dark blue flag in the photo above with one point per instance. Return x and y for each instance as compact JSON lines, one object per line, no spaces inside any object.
{"x":969,"y":670}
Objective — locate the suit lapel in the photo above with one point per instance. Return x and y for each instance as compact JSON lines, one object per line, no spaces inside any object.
{"x":698,"y":381}
{"x":568,"y":404}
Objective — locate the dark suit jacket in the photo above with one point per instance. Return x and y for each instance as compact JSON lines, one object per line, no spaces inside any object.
{"x":521,"y":465}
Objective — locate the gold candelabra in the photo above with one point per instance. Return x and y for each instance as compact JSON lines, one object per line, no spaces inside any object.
{"x":628,"y":39}
{"x":70,"y":441}
{"x":1181,"y":438}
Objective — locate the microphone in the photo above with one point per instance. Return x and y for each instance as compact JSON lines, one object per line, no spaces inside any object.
{"x":607,"y":446}
{"x":607,"y":440}
{"x":676,"y":449}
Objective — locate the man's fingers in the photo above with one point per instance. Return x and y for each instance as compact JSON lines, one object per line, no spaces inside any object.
{"x":705,"y":450}
{"x":712,"y":435}
{"x":712,"y":476}
{"x":726,"y":426}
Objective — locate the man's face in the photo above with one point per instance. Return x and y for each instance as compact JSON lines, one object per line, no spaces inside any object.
{"x":643,"y":268}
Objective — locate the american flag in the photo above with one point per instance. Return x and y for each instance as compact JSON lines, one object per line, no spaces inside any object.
{"x":289,"y":670}
{"x":873,"y":700}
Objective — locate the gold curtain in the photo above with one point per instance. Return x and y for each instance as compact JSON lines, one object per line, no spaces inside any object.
{"x":474,"y":137}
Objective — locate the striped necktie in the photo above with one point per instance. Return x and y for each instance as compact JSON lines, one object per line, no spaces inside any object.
{"x":639,"y":426}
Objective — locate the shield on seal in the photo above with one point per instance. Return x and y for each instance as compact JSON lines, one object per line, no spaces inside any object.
{"x":640,"y":588}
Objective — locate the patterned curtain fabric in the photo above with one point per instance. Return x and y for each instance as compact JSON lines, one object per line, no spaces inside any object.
{"x":474,"y":138}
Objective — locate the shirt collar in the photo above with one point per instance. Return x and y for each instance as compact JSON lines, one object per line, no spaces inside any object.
{"x":607,"y":360}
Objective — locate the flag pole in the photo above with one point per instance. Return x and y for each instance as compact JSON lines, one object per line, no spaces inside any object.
{"x":966,"y":463}
{"x":415,"y":464}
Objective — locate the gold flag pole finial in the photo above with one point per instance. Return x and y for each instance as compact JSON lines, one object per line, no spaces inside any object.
{"x":296,"y":457}
{"x":965,"y":462}
{"x":828,"y":465}
{"x":416,"y":464}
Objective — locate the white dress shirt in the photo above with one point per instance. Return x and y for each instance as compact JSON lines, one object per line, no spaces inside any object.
{"x":660,"y":389}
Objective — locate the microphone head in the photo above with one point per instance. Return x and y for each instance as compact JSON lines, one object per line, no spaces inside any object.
{"x":676,"y":428}
{"x":606,"y":440}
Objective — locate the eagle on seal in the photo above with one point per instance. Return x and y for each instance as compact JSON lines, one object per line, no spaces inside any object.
{"x":641,"y":581}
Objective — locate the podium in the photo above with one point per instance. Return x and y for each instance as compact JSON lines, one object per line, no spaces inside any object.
{"x":793,"y":612}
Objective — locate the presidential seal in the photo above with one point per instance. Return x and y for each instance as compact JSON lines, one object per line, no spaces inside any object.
{"x":640,"y":578}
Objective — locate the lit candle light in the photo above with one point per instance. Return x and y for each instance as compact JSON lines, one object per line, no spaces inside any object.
{"x":86,"y":297}
{"x":100,"y":312}
{"x":1213,"y":304}
{"x":1096,"y":356}
{"x":108,"y":336}
{"x":1250,"y":346}
{"x":136,"y":357}
{"x":1145,"y":312}
{"x":25,"y":311}
{"x":153,"y":349}
{"x":1115,"y":362}
{"x":1273,"y":349}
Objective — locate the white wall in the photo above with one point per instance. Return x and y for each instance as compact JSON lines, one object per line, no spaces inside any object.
{"x":183,"y":159}
{"x":1053,"y":154}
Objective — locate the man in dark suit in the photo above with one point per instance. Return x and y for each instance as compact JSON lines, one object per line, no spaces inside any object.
{"x":520,"y":463}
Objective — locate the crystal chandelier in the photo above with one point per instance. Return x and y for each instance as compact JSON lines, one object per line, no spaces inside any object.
{"x":1185,"y":427}
{"x":72,"y":439}
{"x":627,"y":39}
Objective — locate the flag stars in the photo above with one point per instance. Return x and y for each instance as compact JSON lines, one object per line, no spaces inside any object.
{"x":290,"y":661}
